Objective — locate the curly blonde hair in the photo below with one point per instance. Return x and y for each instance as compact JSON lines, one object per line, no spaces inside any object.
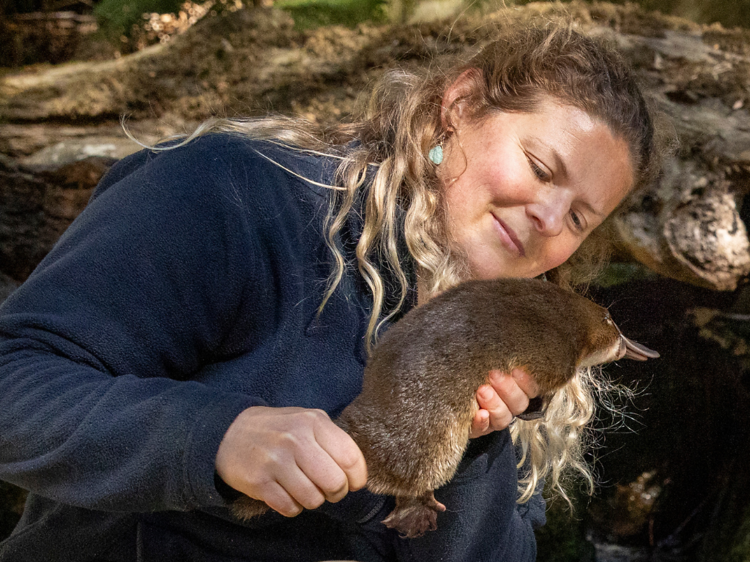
{"x":387,"y":166}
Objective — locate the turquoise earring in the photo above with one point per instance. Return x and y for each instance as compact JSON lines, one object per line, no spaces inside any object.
{"x":436,"y":155}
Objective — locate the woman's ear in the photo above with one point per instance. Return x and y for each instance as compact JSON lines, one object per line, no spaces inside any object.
{"x":453,"y":110}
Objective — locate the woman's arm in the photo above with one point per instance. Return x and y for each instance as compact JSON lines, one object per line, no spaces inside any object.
{"x":99,"y":346}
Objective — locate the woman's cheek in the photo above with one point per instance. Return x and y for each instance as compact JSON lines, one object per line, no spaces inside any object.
{"x":558,"y":253}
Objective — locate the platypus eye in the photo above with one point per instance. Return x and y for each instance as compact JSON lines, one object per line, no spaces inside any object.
{"x":608,"y":318}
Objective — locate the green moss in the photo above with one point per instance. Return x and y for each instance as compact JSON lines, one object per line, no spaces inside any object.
{"x":309,"y":14}
{"x":619,"y":273}
{"x":117,"y":17}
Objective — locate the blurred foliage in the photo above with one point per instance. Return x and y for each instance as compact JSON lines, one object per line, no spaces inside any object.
{"x":616,"y":273}
{"x":730,"y":13}
{"x":309,"y":14}
{"x":135,"y":24}
{"x":117,"y":18}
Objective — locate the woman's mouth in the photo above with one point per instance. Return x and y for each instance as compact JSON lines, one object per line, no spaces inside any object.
{"x":508,"y":237}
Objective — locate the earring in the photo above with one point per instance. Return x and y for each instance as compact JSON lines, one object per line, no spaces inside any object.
{"x":436,"y":154}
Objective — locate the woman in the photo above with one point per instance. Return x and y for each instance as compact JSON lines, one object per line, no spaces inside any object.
{"x":191,"y":335}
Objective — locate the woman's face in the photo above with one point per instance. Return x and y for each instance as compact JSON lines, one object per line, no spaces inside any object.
{"x":523,"y":190}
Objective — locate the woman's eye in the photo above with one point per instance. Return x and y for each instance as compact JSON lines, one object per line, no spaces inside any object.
{"x":538,"y":172}
{"x":577,"y":221}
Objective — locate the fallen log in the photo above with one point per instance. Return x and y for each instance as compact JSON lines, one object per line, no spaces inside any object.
{"x":36,"y":206}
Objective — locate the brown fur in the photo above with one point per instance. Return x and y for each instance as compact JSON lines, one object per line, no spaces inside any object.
{"x":413,"y":417}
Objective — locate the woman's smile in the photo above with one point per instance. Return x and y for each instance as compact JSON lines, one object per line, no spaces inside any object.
{"x":508,"y":237}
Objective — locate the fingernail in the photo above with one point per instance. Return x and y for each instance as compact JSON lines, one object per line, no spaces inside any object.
{"x":497,"y":376}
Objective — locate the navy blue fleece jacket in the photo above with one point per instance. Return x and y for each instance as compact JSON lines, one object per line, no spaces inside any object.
{"x":186,"y":292}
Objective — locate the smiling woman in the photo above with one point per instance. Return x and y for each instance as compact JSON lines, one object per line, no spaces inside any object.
{"x":190,"y":337}
{"x":525,"y":189}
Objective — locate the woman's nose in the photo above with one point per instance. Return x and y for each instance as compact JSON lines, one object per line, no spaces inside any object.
{"x":548,"y":213}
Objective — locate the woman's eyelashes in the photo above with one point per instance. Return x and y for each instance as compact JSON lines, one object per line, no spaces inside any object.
{"x":577,"y":220}
{"x":539,"y":172}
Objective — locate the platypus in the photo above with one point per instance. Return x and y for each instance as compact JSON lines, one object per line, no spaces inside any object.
{"x":413,"y":416}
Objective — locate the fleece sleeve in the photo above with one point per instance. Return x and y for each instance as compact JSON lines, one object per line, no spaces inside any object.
{"x":533,"y":511}
{"x":99,"y":406}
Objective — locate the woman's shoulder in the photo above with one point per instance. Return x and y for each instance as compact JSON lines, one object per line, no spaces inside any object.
{"x":227,"y":161}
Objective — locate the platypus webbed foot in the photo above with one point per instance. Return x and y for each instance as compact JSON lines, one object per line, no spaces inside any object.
{"x":413,"y":516}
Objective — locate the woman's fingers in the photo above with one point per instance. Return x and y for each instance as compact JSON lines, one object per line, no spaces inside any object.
{"x":481,"y":425}
{"x":525,"y":382}
{"x":500,"y":412}
{"x":506,"y":396}
{"x":493,"y":413}
{"x":346,"y":457}
{"x":291,"y":458}
{"x":300,"y":487}
{"x":512,"y":389}
{"x":279,"y":500}
{"x":332,"y":461}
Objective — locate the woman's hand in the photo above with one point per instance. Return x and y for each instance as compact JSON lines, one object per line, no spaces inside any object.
{"x":501,"y":400}
{"x":290,"y":458}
